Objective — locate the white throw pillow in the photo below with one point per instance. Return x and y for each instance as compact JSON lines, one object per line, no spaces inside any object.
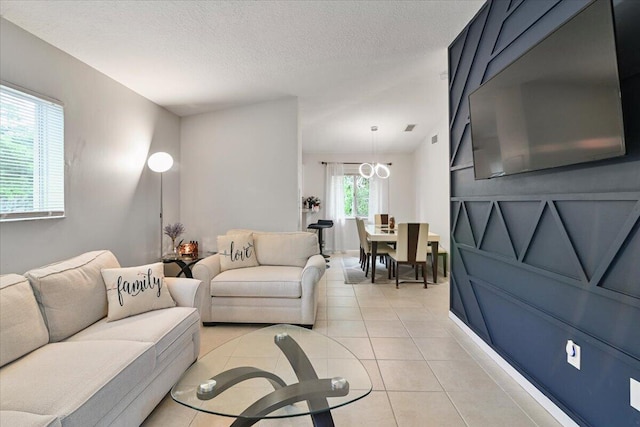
{"x":236,"y":251}
{"x":136,"y":290}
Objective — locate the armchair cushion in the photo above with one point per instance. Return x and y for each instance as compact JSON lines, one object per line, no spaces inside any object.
{"x":236,"y":251}
{"x":264,"y":281}
{"x":291,"y":249}
{"x":136,"y":290}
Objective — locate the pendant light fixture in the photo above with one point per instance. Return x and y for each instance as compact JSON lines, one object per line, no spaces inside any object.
{"x":367,"y":170}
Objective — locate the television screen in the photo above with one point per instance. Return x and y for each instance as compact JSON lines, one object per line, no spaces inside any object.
{"x":558,"y":104}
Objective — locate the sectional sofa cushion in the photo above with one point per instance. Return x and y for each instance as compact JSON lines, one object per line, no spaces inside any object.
{"x":264,"y":281}
{"x":236,"y":251}
{"x":160,"y":327}
{"x":135,"y":290}
{"x":79,"y":382}
{"x":71,"y":293}
{"x":26,"y":419}
{"x":22,"y":329}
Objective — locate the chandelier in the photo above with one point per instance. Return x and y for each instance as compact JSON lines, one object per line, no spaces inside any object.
{"x":367,"y":170}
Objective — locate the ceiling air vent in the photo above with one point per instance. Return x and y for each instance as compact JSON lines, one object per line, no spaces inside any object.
{"x":409,"y":128}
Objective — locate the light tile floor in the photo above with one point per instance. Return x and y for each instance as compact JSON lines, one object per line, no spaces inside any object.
{"x":425,"y":371}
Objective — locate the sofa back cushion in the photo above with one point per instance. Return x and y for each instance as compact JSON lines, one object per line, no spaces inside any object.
{"x":71,"y":294}
{"x":292,"y":249}
{"x":22,"y":328}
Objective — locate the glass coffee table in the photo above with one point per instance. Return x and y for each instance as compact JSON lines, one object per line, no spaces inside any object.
{"x":276,"y":372}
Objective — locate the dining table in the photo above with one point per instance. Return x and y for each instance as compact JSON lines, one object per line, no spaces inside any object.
{"x":377,"y":233}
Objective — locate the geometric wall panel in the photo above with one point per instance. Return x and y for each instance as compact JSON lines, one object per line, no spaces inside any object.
{"x":464,"y":154}
{"x":549,"y":250}
{"x":496,"y":239}
{"x":456,"y":302}
{"x":624,"y":273}
{"x":563,"y":241}
{"x":512,"y":326}
{"x":453,"y":212}
{"x":592,"y":226}
{"x":462,"y":231}
{"x":519,"y":218}
{"x":478,"y":213}
{"x":524,"y":13}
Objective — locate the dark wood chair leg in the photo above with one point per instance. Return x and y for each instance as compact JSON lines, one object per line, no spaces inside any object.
{"x":424,"y":276}
{"x":366,"y":272}
{"x":444,"y":264}
{"x":397,"y":275}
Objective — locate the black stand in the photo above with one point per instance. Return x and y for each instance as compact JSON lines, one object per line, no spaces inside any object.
{"x":320,"y":226}
{"x":310,"y":388}
{"x":185,"y":265}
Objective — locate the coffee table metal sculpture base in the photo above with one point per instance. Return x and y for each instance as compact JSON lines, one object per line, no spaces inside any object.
{"x":310,"y":388}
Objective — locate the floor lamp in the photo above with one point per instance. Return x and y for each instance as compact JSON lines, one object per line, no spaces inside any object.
{"x":160,"y":162}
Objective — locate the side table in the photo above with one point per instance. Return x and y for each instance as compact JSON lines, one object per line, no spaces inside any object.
{"x":185,"y":264}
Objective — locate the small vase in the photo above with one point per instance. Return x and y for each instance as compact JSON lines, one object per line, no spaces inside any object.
{"x":174,"y":249}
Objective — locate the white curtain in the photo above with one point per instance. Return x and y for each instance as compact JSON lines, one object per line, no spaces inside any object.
{"x":378,"y":197}
{"x":334,"y":186}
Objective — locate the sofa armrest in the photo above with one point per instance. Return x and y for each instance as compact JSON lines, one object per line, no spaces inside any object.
{"x":206,"y":269}
{"x":186,"y":292}
{"x":313,"y":271}
{"x":311,"y":275}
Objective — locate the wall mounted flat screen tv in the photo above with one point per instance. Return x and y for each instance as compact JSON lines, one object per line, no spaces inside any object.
{"x":557,"y":104}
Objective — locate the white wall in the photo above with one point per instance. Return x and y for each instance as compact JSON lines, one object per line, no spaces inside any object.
{"x":401,"y":189}
{"x":241,"y":170}
{"x":432,"y":182}
{"x":112,"y":198}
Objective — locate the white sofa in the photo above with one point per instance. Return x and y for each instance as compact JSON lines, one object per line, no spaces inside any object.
{"x":63,"y":364}
{"x":281,"y":289}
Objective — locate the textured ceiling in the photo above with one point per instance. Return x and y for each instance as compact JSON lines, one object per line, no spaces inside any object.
{"x":352,"y":64}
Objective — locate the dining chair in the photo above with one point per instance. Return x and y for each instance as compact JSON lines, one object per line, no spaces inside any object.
{"x":381,"y":219}
{"x":365,"y":247}
{"x":411,"y":248}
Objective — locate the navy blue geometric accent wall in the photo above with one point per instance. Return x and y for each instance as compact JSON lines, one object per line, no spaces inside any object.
{"x":543,"y":257}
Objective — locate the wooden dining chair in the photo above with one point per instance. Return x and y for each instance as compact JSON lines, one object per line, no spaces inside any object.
{"x":411,"y":248}
{"x":365,"y":248}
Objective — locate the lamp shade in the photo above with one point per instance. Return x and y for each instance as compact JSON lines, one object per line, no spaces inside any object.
{"x":160,"y":162}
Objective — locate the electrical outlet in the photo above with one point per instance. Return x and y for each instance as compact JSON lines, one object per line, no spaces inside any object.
{"x":634,"y":393}
{"x":573,"y":354}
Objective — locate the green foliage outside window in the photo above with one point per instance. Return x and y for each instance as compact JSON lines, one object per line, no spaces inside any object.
{"x":31,"y":156}
{"x":356,"y":196}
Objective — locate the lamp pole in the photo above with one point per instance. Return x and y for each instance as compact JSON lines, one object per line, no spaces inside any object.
{"x":160,"y":162}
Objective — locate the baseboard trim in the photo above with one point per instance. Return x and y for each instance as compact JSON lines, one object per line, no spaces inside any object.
{"x":543,"y":400}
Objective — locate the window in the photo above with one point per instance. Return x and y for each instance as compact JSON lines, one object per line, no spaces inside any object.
{"x":31,"y":156}
{"x":356,"y":195}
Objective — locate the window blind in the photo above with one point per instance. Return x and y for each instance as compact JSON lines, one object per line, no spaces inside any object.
{"x":31,"y":156}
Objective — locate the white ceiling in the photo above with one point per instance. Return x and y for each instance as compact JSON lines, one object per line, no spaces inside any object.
{"x":352,"y":64}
